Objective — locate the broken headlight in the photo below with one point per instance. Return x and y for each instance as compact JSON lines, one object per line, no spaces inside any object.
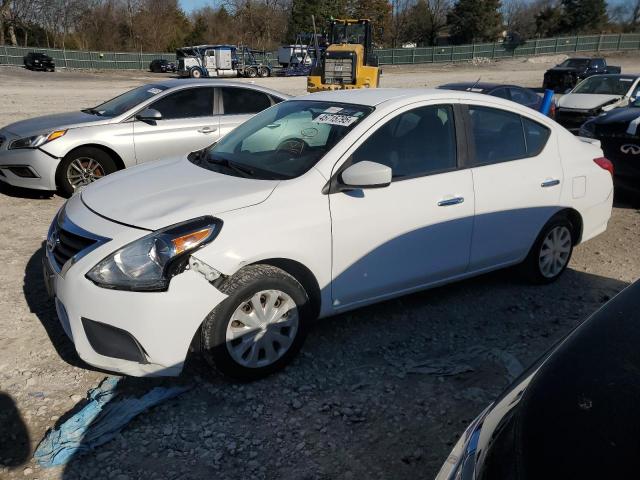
{"x":148,"y":263}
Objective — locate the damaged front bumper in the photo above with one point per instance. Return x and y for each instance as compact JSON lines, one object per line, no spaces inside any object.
{"x":134,"y":333}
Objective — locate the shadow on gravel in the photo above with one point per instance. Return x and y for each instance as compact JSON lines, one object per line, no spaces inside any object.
{"x":11,"y":191}
{"x":380,"y":392}
{"x":43,"y":307}
{"x":14,"y":436}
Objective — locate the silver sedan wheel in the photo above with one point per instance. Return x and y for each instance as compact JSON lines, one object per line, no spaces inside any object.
{"x":83,"y":171}
{"x":555,"y":251}
{"x":262,"y":329}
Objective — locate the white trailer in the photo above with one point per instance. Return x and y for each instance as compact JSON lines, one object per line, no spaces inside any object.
{"x":218,"y":61}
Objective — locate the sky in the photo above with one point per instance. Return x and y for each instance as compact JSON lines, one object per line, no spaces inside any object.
{"x":191,"y":5}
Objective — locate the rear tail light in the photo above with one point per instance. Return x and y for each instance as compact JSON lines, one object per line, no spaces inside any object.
{"x":552,"y":110}
{"x":604,"y":163}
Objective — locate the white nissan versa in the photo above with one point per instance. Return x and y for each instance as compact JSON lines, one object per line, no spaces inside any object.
{"x":313,"y":207}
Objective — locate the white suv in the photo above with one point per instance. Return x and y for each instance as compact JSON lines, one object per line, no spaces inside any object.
{"x":313,"y":207}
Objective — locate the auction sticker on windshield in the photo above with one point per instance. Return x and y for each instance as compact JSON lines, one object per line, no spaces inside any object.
{"x":335,"y":119}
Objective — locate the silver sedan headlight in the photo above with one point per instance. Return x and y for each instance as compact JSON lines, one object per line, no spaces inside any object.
{"x":149,"y":263}
{"x":36,"y":141}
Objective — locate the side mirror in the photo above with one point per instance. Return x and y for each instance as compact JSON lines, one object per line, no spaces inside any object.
{"x":568,"y":90}
{"x":149,"y":115}
{"x":366,"y":174}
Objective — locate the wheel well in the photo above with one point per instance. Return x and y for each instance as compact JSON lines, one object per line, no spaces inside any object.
{"x":575,"y":219}
{"x":303,"y":275}
{"x":116,"y":158}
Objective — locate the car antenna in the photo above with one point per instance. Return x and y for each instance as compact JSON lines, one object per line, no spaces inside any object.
{"x":474,"y":85}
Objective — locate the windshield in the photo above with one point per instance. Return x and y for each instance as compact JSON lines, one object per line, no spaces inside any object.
{"x":283,"y":141}
{"x":343,"y":33}
{"x":122,"y":103}
{"x":604,"y":85}
{"x":575,"y":63}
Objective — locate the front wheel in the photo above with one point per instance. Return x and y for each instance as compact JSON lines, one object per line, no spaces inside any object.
{"x":551,"y":252}
{"x":81,"y":167}
{"x":260,"y":327}
{"x":196,"y":73}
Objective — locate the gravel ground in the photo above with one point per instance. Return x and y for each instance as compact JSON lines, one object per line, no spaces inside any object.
{"x":381,"y":392}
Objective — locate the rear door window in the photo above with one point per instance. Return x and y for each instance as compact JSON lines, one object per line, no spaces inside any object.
{"x":187,"y":103}
{"x":242,"y":101}
{"x":498,"y":135}
{"x":501,"y":136}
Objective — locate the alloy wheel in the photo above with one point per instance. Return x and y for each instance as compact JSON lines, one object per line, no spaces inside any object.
{"x":83,"y":171}
{"x":262,"y":329}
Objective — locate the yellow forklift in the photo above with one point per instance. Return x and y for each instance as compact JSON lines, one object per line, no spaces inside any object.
{"x":348,"y":61}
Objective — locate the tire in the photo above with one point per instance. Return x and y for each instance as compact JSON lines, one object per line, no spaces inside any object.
{"x":251,"y":72}
{"x":556,"y":238}
{"x":96,"y":164}
{"x":248,"y":287}
{"x":264,"y":72}
{"x":195,"y":73}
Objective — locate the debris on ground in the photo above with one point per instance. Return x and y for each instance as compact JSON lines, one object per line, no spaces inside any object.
{"x":109,"y":407}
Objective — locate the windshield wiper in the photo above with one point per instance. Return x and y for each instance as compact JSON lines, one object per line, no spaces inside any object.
{"x":240,"y":169}
{"x":91,"y":111}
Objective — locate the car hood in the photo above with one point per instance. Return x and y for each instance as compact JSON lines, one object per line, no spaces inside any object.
{"x":564,"y":69}
{"x":58,"y":121}
{"x":162,"y":193}
{"x":586,"y":101}
{"x":619,"y":115}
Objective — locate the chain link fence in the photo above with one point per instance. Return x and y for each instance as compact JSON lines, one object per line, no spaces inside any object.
{"x":547,"y":46}
{"x":387,"y":56}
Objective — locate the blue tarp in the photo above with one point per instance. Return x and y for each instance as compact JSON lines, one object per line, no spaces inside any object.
{"x":108,"y":409}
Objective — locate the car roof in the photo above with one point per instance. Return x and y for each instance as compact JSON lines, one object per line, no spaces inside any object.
{"x":192,"y":82}
{"x":477,"y":85}
{"x":377,"y":96}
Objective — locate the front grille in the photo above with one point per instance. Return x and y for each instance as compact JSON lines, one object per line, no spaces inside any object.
{"x":572,"y":119}
{"x":339,"y":71}
{"x":65,"y":245}
{"x":622,"y":148}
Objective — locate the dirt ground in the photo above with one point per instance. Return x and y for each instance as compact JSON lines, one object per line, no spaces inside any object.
{"x":381,"y":392}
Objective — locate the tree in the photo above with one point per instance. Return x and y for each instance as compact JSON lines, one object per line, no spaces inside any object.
{"x":322,"y":10}
{"x":549,"y":21}
{"x":584,"y":16}
{"x":426,"y":20}
{"x":475,"y":21}
{"x":379,"y":12}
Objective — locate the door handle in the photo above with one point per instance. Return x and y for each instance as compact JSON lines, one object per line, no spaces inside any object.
{"x":552,"y":182}
{"x":207,"y":130}
{"x":273,"y":125}
{"x":450,"y":201}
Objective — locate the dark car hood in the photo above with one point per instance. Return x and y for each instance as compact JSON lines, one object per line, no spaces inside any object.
{"x":574,"y":413}
{"x":619,"y":115}
{"x":564,"y":69}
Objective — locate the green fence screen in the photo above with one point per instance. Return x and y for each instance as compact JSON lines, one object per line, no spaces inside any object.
{"x":386,"y":56}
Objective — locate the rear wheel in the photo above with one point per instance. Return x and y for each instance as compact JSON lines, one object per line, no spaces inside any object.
{"x":263,"y":72}
{"x":81,"y":167}
{"x":260,"y":327}
{"x":251,"y":72}
{"x":551,"y":251}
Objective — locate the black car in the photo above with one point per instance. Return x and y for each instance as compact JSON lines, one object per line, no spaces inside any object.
{"x":520,"y":95}
{"x":161,"y":65}
{"x":619,"y":134}
{"x":572,"y":415}
{"x":39,"y":61}
{"x":566,"y":75}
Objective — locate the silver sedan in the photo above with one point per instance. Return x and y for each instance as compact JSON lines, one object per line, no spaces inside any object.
{"x":166,"y":119}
